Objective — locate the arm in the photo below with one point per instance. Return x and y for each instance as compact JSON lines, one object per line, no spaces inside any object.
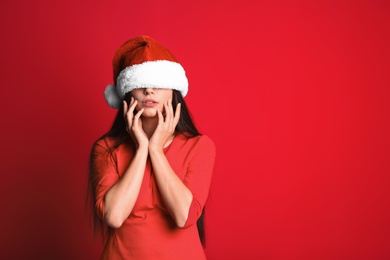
{"x":198,"y":176}
{"x":184,"y":199}
{"x":121,"y":197}
{"x":175,"y":194}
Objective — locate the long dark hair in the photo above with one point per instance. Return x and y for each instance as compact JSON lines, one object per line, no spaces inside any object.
{"x":119,"y":134}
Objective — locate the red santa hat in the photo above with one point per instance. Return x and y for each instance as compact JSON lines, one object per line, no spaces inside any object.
{"x":141,"y":62}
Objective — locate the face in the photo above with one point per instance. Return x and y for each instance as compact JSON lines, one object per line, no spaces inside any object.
{"x":151,"y":100}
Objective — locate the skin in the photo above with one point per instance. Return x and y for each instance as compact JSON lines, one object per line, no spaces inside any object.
{"x":152,"y":128}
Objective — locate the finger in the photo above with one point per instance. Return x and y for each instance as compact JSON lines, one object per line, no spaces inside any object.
{"x":136,"y":117}
{"x":139,"y":113}
{"x":132,"y":107}
{"x":130,"y":112}
{"x":170,"y":107}
{"x":168,"y":114}
{"x":177,"y":115}
{"x":129,"y":116}
{"x":160,"y":117}
{"x":124,"y":115}
{"x":124,"y":108}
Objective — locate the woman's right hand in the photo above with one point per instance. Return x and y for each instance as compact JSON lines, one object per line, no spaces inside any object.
{"x":134,"y":123}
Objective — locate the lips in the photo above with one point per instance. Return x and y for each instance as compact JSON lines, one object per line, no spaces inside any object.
{"x":149,"y":102}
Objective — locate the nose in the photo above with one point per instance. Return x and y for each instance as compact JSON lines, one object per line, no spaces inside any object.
{"x":148,"y":91}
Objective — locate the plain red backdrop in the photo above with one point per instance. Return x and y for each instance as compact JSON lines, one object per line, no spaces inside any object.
{"x":295,"y":95}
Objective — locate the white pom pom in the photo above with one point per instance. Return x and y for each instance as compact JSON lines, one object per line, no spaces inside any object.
{"x":112,"y":97}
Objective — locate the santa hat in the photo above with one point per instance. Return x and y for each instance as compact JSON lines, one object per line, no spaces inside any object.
{"x":141,"y":62}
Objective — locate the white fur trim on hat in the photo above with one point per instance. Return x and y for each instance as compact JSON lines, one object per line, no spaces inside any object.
{"x":112,"y":97}
{"x":152,"y":74}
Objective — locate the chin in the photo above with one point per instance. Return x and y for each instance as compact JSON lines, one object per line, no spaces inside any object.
{"x":150,"y":113}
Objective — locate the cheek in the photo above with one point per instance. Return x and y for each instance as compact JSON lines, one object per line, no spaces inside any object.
{"x":135,"y":97}
{"x":168,"y":96}
{"x":135,"y":94}
{"x":138,"y":107}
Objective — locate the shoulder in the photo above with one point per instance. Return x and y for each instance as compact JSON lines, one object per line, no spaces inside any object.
{"x":183,"y":137}
{"x":205,"y":140}
{"x":207,"y":144}
{"x":200,"y":143}
{"x":103,"y":144}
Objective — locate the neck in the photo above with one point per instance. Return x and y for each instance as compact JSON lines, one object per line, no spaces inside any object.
{"x":149,"y":125}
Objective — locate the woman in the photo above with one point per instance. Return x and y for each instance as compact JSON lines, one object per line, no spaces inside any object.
{"x":150,"y":174}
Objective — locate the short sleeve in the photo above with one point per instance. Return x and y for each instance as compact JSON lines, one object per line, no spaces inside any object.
{"x":198,"y":177}
{"x":105,"y":174}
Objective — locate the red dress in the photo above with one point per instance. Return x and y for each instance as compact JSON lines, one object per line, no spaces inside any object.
{"x":150,"y":232}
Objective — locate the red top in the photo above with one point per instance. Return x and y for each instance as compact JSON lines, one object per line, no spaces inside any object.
{"x":150,"y":232}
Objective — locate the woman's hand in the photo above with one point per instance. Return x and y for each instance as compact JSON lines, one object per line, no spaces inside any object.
{"x":166,"y":126}
{"x":134,"y":123}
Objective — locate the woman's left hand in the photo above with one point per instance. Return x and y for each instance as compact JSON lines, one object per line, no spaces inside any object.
{"x":166,"y":126}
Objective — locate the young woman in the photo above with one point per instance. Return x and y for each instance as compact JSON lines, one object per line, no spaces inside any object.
{"x":150,"y":174}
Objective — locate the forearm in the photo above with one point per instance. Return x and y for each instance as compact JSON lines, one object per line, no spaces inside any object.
{"x":120,"y":199}
{"x":175,"y":194}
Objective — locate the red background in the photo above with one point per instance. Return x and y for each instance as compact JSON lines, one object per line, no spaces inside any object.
{"x":295,"y":95}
